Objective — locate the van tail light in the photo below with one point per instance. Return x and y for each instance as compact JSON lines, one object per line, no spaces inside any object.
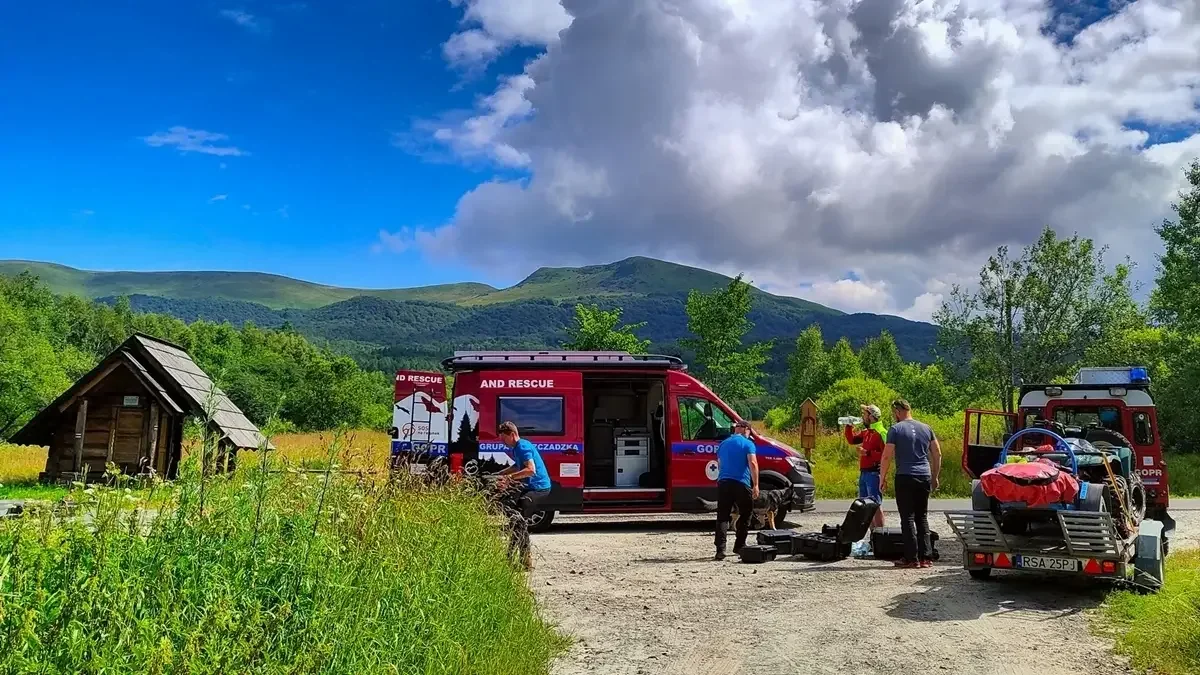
{"x":1108,"y":567}
{"x":982,"y":559}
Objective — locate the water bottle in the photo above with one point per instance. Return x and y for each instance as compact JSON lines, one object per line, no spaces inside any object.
{"x":852,"y":421}
{"x":861,"y":549}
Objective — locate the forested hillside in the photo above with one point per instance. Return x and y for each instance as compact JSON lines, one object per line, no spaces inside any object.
{"x":389,"y":329}
{"x":47,"y":341}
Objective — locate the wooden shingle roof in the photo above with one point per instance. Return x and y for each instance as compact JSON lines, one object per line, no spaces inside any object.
{"x":172,"y":377}
{"x":205,"y":397}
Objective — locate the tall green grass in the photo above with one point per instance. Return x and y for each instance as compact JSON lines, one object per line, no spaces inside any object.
{"x":268,"y":570}
{"x":835,"y":462}
{"x":1183,"y":472}
{"x":1161,"y":632}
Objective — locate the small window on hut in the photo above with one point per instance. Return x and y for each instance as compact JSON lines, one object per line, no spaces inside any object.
{"x":131,"y":401}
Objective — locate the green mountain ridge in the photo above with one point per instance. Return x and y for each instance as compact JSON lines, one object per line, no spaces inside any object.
{"x":271,"y":290}
{"x":636,"y":276}
{"x":385,"y":329}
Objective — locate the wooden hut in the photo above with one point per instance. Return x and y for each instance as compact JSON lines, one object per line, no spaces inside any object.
{"x":130,"y":410}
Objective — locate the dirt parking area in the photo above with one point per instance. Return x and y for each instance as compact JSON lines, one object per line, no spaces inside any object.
{"x":643,"y":595}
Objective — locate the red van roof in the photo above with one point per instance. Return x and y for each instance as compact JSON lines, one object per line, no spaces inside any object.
{"x":560,"y":360}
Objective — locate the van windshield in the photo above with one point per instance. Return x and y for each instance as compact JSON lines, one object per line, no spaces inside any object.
{"x":700,"y":420}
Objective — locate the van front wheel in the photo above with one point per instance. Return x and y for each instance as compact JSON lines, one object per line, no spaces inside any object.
{"x":539,"y":521}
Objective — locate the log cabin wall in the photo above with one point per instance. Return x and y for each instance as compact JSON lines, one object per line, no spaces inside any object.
{"x":120,"y":422}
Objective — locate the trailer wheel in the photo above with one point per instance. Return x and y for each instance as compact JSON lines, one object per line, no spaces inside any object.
{"x":981,"y":574}
{"x":539,"y":521}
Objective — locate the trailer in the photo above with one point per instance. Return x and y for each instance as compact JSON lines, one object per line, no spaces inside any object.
{"x":1099,"y":534}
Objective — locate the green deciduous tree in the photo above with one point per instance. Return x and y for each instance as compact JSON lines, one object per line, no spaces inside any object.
{"x":48,"y":341}
{"x":1175,"y":300}
{"x":719,"y":322}
{"x":597,"y":329}
{"x":809,"y":368}
{"x":844,"y":397}
{"x":1172,"y":351}
{"x":880,"y":358}
{"x":1033,"y":317}
{"x":843,"y":362}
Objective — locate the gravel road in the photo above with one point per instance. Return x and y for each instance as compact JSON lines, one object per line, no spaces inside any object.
{"x":642,"y":595}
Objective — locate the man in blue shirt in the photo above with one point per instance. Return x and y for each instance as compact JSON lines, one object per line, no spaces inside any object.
{"x":524,"y":484}
{"x":528,"y":469}
{"x":737,"y":483}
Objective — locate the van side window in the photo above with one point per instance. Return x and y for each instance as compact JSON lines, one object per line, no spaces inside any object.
{"x":533,"y":415}
{"x":1142,"y":433}
{"x":700,"y":420}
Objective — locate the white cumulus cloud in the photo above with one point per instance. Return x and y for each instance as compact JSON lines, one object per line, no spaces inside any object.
{"x":490,"y":26}
{"x":795,"y":141}
{"x":194,"y":140}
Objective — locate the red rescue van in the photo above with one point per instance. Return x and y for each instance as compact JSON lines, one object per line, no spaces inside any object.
{"x":619,"y":433}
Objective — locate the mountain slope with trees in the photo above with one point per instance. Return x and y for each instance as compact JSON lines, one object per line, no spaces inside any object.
{"x":390,"y":326}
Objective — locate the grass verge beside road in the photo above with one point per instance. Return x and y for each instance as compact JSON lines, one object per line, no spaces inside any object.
{"x":1160,"y":633}
{"x":288,"y":571}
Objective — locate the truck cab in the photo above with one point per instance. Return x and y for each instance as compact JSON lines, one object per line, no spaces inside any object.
{"x":618,"y":432}
{"x":1105,"y":405}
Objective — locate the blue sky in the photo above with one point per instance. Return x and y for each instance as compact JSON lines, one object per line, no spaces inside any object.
{"x":262,"y":135}
{"x":309,"y":93}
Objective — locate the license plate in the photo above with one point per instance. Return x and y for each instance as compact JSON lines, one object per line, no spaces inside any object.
{"x":1037,"y":562}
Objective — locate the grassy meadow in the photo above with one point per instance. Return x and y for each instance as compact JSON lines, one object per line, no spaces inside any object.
{"x":835,"y":463}
{"x":276,"y":568}
{"x":1160,"y":633}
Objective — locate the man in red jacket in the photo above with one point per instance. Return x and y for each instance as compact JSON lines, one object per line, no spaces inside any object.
{"x":870,"y":442}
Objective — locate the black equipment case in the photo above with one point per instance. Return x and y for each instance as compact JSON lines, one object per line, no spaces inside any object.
{"x":757,"y":553}
{"x":833,"y":541}
{"x":888,"y":544}
{"x":780,"y":539}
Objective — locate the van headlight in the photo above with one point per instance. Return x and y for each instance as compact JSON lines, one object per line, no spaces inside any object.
{"x":799,"y":463}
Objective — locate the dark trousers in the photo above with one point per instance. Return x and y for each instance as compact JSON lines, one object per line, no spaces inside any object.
{"x":729,"y":493}
{"x":523,"y":500}
{"x":519,"y":503}
{"x":912,"y":501}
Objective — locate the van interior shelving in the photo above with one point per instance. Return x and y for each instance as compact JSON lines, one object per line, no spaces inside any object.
{"x":626,"y":459}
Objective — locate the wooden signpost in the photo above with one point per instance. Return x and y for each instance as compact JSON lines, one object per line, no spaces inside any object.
{"x":809,"y":427}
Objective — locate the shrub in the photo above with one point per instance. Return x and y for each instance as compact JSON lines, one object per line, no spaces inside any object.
{"x":266,"y":572}
{"x":780,"y":418}
{"x":844,"y":397}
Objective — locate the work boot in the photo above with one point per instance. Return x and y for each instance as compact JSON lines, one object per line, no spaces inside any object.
{"x":719,"y":556}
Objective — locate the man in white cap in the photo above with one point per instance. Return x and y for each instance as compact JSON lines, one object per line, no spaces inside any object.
{"x":870,"y":442}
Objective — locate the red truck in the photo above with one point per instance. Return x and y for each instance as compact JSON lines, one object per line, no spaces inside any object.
{"x":618,"y":432}
{"x":1107,"y":404}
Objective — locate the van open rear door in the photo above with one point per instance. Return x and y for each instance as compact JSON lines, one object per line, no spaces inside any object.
{"x":420,"y":431}
{"x":984,"y":434}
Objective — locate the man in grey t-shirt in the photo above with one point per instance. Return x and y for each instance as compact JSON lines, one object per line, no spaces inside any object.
{"x":917,"y":454}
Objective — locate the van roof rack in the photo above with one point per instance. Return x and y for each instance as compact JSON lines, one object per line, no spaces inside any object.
{"x":559,"y":359}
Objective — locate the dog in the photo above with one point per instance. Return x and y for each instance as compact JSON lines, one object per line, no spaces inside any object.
{"x":769,"y":503}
